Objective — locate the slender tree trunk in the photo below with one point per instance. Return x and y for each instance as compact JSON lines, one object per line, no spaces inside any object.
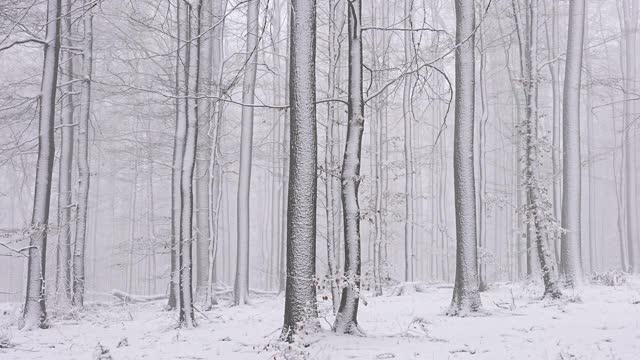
{"x":346,"y":319}
{"x":330,"y":161}
{"x":35,"y":314}
{"x":376,"y":143}
{"x":215,"y":169}
{"x":591,"y":196}
{"x":617,"y":175}
{"x":176,"y":171}
{"x":466,"y":297}
{"x":203,"y":156}
{"x":554,"y":70}
{"x":241,"y":292}
{"x":484,"y":117}
{"x":83,"y":162}
{"x":571,"y":257}
{"x":300,"y":298}
{"x":408,"y":147}
{"x":186,"y":313}
{"x":630,"y":11}
{"x":538,"y":214}
{"x":65,"y":240}
{"x":133,"y":198}
{"x":284,"y":166}
{"x":151,"y":218}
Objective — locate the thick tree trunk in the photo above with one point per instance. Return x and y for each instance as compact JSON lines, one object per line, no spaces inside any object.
{"x":347,"y":317}
{"x":83,"y":163}
{"x":300,"y":298}
{"x":571,"y":258}
{"x":241,"y":293}
{"x":35,"y":314}
{"x":466,"y":297}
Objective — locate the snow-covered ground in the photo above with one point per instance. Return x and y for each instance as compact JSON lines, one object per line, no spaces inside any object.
{"x":598,"y":322}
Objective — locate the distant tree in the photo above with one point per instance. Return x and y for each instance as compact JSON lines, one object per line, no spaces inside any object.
{"x":241,"y":290}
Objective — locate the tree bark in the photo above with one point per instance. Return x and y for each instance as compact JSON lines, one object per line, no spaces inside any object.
{"x":466,"y":297}
{"x":347,"y":317}
{"x":83,"y":162}
{"x":65,"y":240}
{"x":186,"y":313}
{"x":408,"y":147}
{"x":35,"y":314}
{"x":571,"y":258}
{"x":300,"y":298}
{"x":630,"y":17}
{"x":176,"y":171}
{"x":241,"y":293}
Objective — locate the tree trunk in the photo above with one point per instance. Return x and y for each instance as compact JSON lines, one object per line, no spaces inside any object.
{"x":176,"y":172}
{"x":330,"y":163}
{"x":64,"y":279}
{"x":408,"y":148}
{"x":537,"y":211}
{"x":300,"y":298}
{"x":346,"y":319}
{"x":186,"y":313}
{"x":241,"y":292}
{"x":554,"y":71}
{"x":466,"y":297}
{"x":133,"y":198}
{"x":482,"y":181}
{"x":215,"y":169}
{"x":35,"y":314}
{"x":83,"y":162}
{"x":571,"y":258}
{"x":630,"y":11}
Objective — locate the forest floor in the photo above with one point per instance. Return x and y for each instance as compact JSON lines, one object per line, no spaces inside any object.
{"x":596,"y":322}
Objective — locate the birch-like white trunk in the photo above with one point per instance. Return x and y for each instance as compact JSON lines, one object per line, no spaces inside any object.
{"x":300,"y":298}
{"x":241,"y":289}
{"x":571,"y":257}
{"x":35,"y":314}
{"x":466,"y":297}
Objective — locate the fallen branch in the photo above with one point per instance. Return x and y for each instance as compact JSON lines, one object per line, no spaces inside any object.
{"x":129,"y":298}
